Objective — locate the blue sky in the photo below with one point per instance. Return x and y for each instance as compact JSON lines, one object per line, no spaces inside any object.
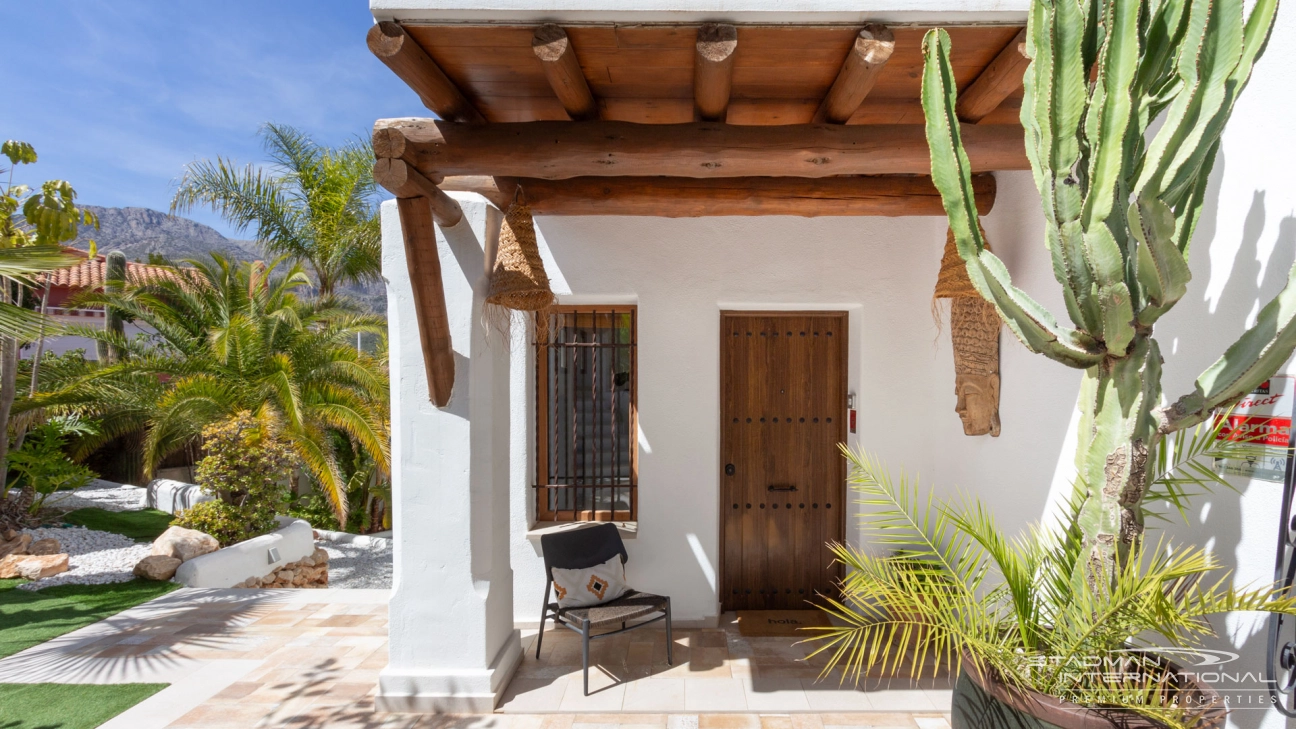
{"x":118,"y":96}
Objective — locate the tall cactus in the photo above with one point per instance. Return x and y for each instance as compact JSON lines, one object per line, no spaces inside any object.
{"x":114,"y":282}
{"x":1121,"y":212}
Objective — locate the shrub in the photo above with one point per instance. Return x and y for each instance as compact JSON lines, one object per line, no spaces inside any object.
{"x":228,"y":524}
{"x":41,"y":463}
{"x":316,"y":510}
{"x":248,"y":468}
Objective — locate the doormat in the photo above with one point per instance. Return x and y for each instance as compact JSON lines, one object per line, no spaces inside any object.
{"x":781,"y":623}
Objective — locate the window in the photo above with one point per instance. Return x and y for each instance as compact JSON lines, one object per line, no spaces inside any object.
{"x":586,"y":424}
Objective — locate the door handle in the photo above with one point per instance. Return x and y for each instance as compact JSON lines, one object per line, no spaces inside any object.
{"x":788,"y":487}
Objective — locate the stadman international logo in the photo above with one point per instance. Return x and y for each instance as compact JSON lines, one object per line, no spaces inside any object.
{"x":1232,"y":686}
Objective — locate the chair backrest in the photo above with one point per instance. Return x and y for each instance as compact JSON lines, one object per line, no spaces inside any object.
{"x":576,"y":549}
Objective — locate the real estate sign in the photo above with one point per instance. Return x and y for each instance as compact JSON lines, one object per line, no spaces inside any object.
{"x":1263,"y":418}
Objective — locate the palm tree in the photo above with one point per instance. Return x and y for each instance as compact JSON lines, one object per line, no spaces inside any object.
{"x":231,"y":337}
{"x":315,"y":205}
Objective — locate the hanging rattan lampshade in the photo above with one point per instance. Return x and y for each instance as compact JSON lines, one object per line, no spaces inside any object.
{"x":974,"y":333}
{"x":518,"y":280}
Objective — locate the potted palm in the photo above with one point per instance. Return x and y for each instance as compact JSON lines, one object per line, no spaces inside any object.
{"x":1124,"y":105}
{"x":1035,"y":643}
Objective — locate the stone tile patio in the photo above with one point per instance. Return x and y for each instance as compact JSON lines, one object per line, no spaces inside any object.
{"x":310,"y":658}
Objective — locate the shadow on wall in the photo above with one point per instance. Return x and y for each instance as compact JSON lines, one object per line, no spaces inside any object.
{"x":1193,"y":336}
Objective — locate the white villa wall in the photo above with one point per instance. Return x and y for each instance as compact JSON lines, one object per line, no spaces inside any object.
{"x":681,"y":273}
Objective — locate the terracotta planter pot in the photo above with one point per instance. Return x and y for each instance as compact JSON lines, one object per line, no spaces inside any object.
{"x":982,"y":702}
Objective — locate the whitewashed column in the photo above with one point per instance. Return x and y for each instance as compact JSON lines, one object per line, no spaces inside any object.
{"x":453,"y":647}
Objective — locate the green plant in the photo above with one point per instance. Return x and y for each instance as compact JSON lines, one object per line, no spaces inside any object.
{"x":1120,"y":208}
{"x":228,"y":523}
{"x":954,"y":588}
{"x":41,"y":465}
{"x":31,"y":618}
{"x":30,"y":243}
{"x":316,"y":206}
{"x":233,"y":337}
{"x":69,"y":706}
{"x":316,"y":510}
{"x":142,"y":525}
{"x":248,"y":468}
{"x":114,"y":282}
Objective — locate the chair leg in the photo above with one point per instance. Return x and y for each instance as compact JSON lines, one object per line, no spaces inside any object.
{"x":670,"y":641}
{"x":585,"y":638}
{"x":544,"y":617}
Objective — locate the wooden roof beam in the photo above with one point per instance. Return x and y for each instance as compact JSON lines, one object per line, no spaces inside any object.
{"x":674,"y":197}
{"x":868,"y":56}
{"x":563,"y":71}
{"x":559,"y":150}
{"x":713,"y":62}
{"x":403,"y":55}
{"x":997,"y":82}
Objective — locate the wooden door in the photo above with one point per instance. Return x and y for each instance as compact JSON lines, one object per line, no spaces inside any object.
{"x":783,"y":410}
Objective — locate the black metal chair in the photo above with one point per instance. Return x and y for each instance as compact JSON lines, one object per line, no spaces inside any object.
{"x":581,"y":549}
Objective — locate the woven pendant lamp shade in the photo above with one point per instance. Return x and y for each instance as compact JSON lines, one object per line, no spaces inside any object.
{"x":518,"y":281}
{"x":952,"y":282}
{"x":974,"y":332}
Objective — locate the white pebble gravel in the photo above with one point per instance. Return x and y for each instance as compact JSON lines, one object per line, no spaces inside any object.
{"x":103,"y":494}
{"x":358,"y":566}
{"x":94,"y":557}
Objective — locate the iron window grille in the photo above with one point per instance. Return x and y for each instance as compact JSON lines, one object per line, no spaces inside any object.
{"x":587,"y":455}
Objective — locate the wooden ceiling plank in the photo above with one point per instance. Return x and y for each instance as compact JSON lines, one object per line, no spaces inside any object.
{"x":673,"y":197}
{"x":997,"y":82}
{"x":713,"y":65}
{"x":563,"y":70}
{"x":403,"y":55}
{"x":558,"y":150}
{"x":859,"y":72}
{"x":424,"y":264}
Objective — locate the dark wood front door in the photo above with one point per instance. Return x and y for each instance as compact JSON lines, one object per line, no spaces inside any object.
{"x":783,"y":407}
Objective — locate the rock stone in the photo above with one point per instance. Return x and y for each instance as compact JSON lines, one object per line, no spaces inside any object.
{"x":157,"y":567}
{"x":45,"y":546}
{"x":184,"y":544}
{"x":16,"y":545}
{"x":32,"y":567}
{"x":320,"y":556}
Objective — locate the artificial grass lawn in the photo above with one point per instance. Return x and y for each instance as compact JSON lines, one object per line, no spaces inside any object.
{"x":143,"y":526}
{"x":68,"y":706}
{"x":30,"y":618}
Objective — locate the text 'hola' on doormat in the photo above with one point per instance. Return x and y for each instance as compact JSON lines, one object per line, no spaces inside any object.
{"x":780,"y":623}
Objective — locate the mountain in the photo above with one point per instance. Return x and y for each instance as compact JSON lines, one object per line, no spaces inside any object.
{"x":137,"y":232}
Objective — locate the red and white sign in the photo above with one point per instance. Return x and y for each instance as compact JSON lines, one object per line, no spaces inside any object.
{"x":1264,"y":419}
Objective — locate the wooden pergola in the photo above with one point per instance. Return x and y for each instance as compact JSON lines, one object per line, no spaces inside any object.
{"x":676,"y":121}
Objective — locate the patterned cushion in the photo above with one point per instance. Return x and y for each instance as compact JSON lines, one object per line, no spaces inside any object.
{"x":592,"y":586}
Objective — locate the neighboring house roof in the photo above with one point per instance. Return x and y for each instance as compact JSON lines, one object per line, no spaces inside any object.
{"x":89,"y":273}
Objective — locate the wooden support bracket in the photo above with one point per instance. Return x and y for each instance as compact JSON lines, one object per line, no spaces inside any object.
{"x":713,"y":62}
{"x":868,"y":56}
{"x":403,"y":55}
{"x":424,"y":264}
{"x":402,"y":180}
{"x":997,"y":82}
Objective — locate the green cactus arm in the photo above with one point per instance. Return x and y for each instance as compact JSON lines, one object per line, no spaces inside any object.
{"x":1219,"y":53}
{"x":1162,"y":270}
{"x":1055,"y":85}
{"x":1030,"y":322}
{"x":1249,"y":361}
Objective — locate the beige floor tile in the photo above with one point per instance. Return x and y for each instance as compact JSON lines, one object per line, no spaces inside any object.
{"x":828,"y":697}
{"x":602,"y":698}
{"x":655,"y":694}
{"x":728,"y":721}
{"x":714,"y":694}
{"x":533,"y":694}
{"x":900,"y":700}
{"x":870,"y":720}
{"x":931,"y":722}
{"x":777,"y":695}
{"x":776,"y":721}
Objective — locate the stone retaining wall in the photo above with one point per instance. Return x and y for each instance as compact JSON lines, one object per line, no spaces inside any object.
{"x":308,"y":573}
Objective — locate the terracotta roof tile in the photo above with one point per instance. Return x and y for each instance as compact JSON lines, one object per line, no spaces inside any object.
{"x":90,"y":273}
